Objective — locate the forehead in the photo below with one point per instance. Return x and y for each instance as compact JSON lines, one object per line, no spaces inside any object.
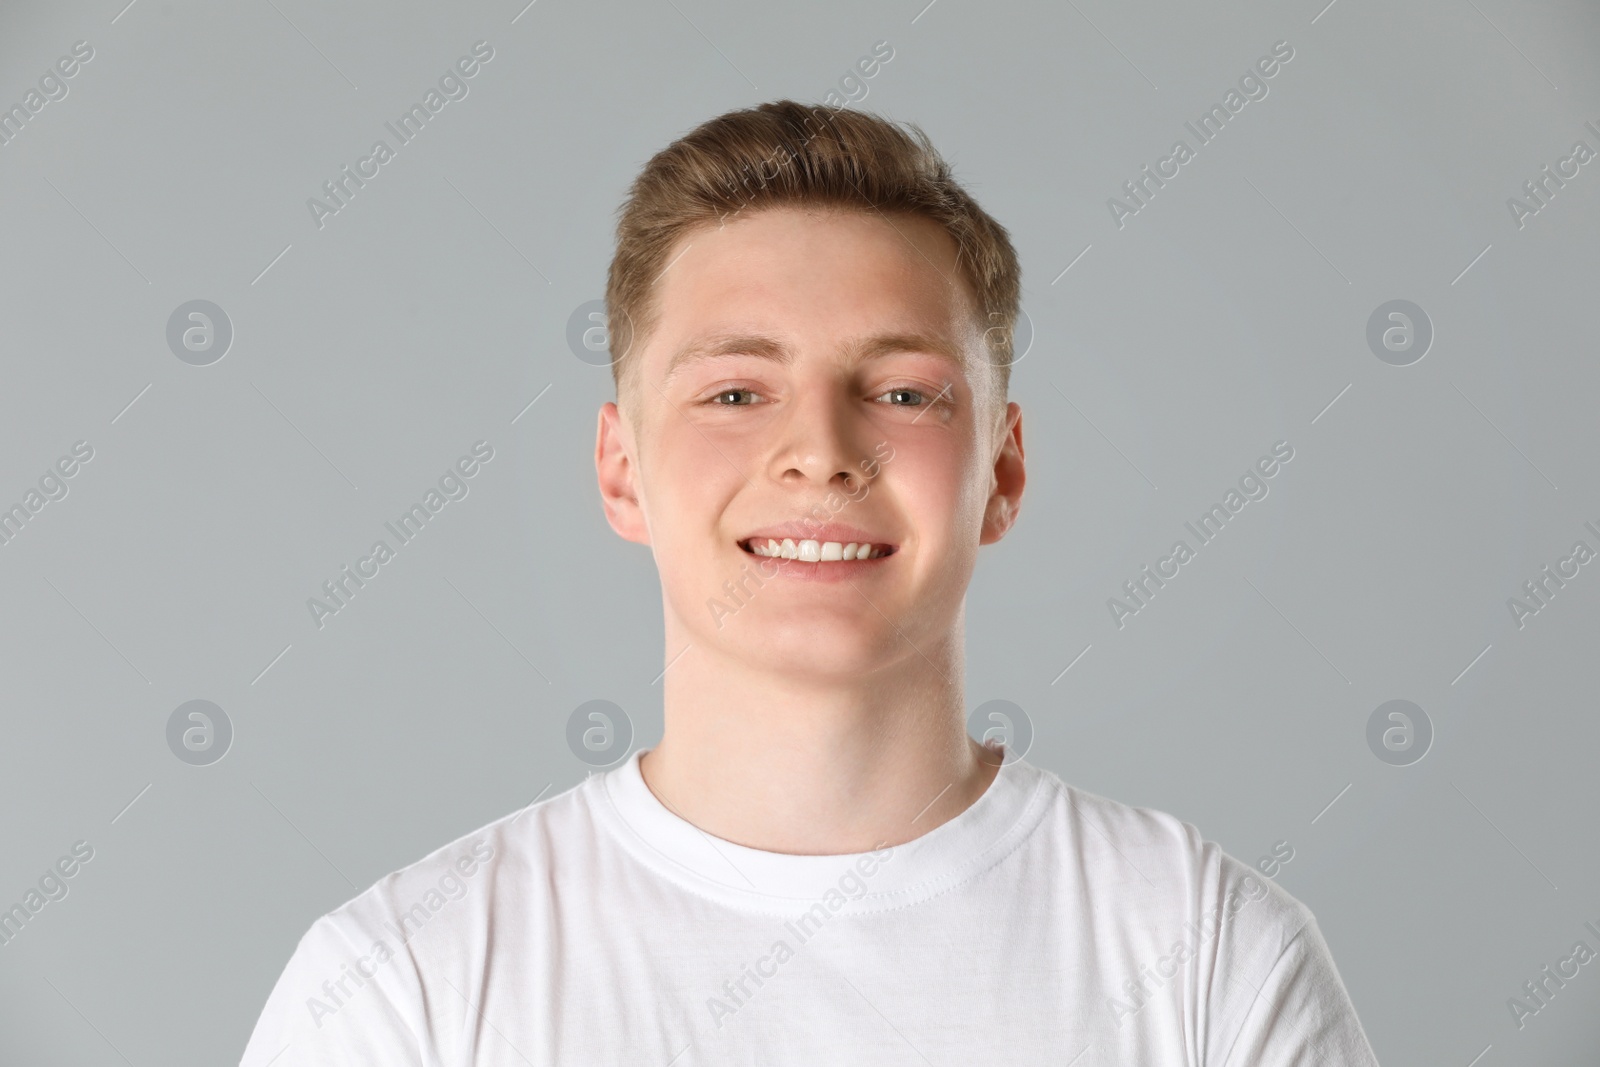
{"x":824,"y":280}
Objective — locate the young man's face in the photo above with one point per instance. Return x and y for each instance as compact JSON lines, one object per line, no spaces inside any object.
{"x":816,"y":376}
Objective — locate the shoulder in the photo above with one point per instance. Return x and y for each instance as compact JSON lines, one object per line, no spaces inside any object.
{"x":1185,"y":926}
{"x":1188,"y":930}
{"x":1144,"y":862}
{"x":369,"y":974}
{"x":457,"y":883}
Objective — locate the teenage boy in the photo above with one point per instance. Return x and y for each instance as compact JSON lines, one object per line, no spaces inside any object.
{"x":810,"y":324}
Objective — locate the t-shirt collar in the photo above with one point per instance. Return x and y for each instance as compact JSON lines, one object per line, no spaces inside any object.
{"x":958,"y":849}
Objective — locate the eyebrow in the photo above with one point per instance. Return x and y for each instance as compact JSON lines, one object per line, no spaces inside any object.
{"x":859,"y":351}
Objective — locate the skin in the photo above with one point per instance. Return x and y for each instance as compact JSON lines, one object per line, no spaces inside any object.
{"x":819,"y":718}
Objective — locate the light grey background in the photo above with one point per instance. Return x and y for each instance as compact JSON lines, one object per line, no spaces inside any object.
{"x":369,"y":354}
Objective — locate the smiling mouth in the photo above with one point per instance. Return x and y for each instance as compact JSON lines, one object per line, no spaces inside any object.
{"x":809,"y":551}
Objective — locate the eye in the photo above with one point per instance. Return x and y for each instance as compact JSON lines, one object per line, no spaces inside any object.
{"x":905,"y":397}
{"x":722,"y":399}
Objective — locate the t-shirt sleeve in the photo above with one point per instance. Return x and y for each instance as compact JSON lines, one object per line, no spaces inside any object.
{"x":323,"y":1013}
{"x":1302,"y":1015}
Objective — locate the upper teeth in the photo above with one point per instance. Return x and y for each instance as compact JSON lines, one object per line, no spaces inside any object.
{"x":815,"y":551}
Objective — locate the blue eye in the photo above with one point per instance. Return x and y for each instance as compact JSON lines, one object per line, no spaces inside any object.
{"x":916,"y":394}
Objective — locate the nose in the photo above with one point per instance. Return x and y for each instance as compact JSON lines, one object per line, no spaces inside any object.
{"x":817,"y":442}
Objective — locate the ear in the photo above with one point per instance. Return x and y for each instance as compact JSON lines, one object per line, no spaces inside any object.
{"x":1008,"y":477}
{"x":614,"y":465}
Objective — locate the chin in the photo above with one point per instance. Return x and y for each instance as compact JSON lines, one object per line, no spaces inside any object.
{"x":819,"y":652}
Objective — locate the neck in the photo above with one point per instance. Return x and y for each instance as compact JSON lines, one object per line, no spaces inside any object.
{"x":796,"y":762}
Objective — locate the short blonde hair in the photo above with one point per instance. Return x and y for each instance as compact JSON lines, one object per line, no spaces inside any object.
{"x":786,"y":154}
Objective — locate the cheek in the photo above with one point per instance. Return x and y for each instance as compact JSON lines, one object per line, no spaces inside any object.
{"x":937,"y":485}
{"x":687,"y":477}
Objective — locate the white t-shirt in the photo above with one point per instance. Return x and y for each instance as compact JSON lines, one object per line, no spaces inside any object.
{"x":1043,"y":924}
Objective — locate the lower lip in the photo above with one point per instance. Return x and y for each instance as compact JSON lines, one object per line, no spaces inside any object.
{"x":837,"y":570}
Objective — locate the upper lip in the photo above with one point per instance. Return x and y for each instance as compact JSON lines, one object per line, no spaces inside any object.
{"x":817,"y":531}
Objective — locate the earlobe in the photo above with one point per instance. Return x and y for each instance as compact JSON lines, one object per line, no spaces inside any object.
{"x":616,"y":471}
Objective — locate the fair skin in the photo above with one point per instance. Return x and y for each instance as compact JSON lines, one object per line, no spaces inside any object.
{"x":816,"y":708}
